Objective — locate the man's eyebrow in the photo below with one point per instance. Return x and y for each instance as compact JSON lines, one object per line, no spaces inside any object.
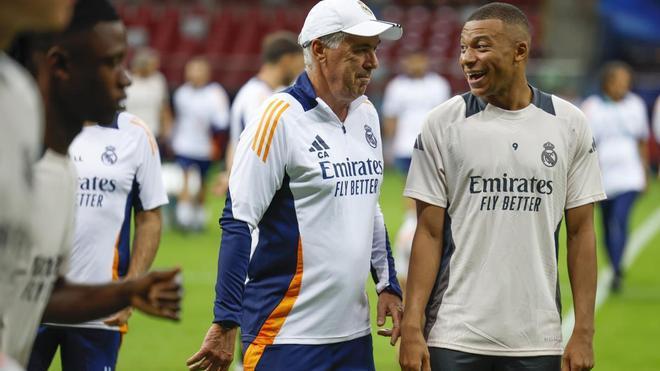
{"x":366,"y":44}
{"x":482,"y":37}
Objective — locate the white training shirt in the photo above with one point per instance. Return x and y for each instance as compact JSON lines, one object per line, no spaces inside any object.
{"x":20,"y":146}
{"x":311,"y":185}
{"x":246,"y":104}
{"x":199,"y":112}
{"x":145,"y":98}
{"x":505,"y":179}
{"x":118,"y":171}
{"x":55,"y":188}
{"x":408,"y":100}
{"x":618,"y":128}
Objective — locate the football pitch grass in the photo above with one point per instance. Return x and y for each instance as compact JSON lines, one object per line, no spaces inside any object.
{"x":627,"y":324}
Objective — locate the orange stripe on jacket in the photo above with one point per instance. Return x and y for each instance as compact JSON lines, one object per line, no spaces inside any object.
{"x":115,"y":260}
{"x":150,"y":136}
{"x":272,"y":130}
{"x":269,"y":122}
{"x":261,"y":124}
{"x":276,"y":319}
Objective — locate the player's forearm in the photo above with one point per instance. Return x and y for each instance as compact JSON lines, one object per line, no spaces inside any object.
{"x":145,"y":242}
{"x":75,"y":303}
{"x":582,"y":270}
{"x":166,"y":120}
{"x":389,"y":126}
{"x":424,"y":263}
{"x":229,"y":157}
{"x":423,"y":268}
{"x":644,"y":157}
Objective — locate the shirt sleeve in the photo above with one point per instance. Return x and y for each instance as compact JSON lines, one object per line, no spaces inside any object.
{"x":236,"y":123}
{"x":257,"y":173}
{"x":640,"y":120}
{"x":426,"y":178}
{"x":584,"y":184}
{"x":390,"y":103}
{"x":382,"y":261}
{"x":148,"y":177}
{"x":220,"y":113}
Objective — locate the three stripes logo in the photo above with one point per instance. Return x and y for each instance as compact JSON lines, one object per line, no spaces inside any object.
{"x":320,"y":147}
{"x":263,"y":138}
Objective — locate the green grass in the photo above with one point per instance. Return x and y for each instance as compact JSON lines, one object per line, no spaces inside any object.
{"x":627,"y":326}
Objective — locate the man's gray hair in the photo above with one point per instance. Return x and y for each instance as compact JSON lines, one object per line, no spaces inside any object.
{"x":331,"y":41}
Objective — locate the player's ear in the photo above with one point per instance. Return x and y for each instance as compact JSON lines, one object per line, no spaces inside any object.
{"x":58,"y":62}
{"x":521,"y":51}
{"x":319,"y":50}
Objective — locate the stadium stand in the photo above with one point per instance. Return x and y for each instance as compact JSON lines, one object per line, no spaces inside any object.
{"x":229,"y":33}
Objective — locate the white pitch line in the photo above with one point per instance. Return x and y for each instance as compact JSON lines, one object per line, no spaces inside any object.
{"x":636,"y":244}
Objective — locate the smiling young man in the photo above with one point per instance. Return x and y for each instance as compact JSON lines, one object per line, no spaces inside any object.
{"x":494,"y":172}
{"x":306,"y":179}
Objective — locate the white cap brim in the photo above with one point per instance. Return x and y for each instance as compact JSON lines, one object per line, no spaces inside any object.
{"x":386,"y":30}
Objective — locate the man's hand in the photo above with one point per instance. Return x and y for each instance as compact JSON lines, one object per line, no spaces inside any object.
{"x":119,"y":318}
{"x":217,"y":350}
{"x":159,"y":293}
{"x":414,"y":354}
{"x":579,"y":353}
{"x":389,"y":305}
{"x":221,"y":184}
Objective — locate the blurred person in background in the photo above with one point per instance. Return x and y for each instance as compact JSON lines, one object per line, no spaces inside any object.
{"x":619,"y":123}
{"x":656,"y":122}
{"x":77,"y":84}
{"x":306,"y":177}
{"x":20,"y":145}
{"x":408,"y":99}
{"x":202,"y":112}
{"x":494,"y":172}
{"x":282,"y":61}
{"x":148,"y":97}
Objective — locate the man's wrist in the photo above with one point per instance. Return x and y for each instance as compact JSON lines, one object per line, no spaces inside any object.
{"x":583,"y":330}
{"x":227,"y":324}
{"x":393,"y":291}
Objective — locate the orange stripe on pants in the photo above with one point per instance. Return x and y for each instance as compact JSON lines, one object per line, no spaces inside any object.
{"x":276,"y":320}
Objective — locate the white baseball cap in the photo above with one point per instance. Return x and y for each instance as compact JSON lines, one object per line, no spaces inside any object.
{"x":349,"y":16}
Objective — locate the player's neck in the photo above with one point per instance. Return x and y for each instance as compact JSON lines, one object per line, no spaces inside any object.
{"x":61,"y":128}
{"x":516,"y":97}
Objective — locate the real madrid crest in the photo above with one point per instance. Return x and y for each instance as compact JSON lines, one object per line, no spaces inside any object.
{"x":369,"y":135}
{"x":109,"y":157}
{"x":549,"y":156}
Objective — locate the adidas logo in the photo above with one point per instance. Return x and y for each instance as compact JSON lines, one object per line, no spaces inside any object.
{"x":320,"y":147}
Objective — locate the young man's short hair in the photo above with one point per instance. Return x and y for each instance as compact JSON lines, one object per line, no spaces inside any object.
{"x":277,"y":45}
{"x":507,"y":13}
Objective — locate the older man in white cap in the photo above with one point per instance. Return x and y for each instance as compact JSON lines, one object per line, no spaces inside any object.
{"x":302,"y":228}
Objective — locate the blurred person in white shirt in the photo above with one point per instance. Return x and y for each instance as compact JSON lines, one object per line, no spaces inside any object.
{"x":408,"y":99}
{"x":202,"y":112}
{"x":148,"y":95}
{"x":620,"y":127}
